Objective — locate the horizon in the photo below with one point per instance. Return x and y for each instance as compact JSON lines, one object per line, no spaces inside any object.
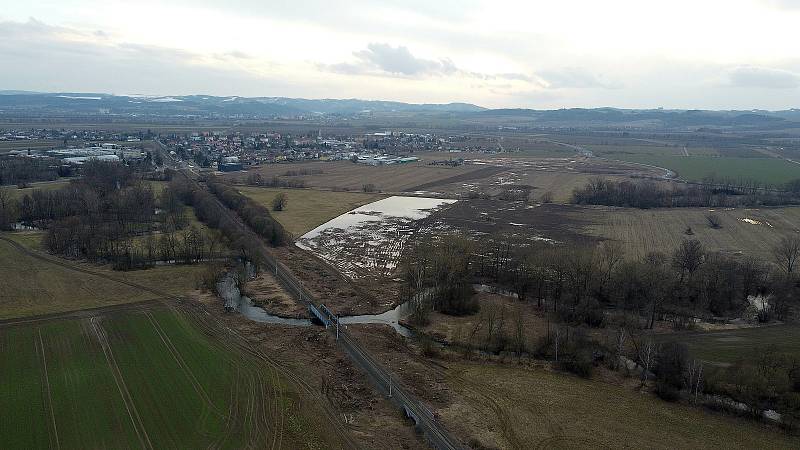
{"x":532,"y":55}
{"x":456,"y":102}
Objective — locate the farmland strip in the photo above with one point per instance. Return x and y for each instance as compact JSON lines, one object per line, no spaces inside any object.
{"x":47,"y":388}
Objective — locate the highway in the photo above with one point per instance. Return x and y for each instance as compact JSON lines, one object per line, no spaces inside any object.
{"x":426,"y":421}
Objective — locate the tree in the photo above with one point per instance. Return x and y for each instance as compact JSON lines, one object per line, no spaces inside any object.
{"x":688,"y":257}
{"x":787,"y":252}
{"x":280,"y":201}
{"x":8,"y":209}
{"x":714,"y":221}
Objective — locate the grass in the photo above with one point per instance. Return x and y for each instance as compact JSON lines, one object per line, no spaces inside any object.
{"x":134,"y":377}
{"x":29,"y":286}
{"x":726,"y":347}
{"x":694,"y":168}
{"x":535,"y":408}
{"x":307,"y":208}
{"x":41,"y":185}
{"x":642,"y":231}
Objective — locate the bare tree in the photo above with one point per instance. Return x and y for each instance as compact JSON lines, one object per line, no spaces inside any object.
{"x":787,"y":252}
{"x":714,"y":221}
{"x":519,"y":334}
{"x":688,"y":257}
{"x":8,"y":210}
{"x":647,"y":358}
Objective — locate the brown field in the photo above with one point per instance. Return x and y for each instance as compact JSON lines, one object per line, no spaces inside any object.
{"x":642,"y":231}
{"x":395,"y":178}
{"x":36,"y":144}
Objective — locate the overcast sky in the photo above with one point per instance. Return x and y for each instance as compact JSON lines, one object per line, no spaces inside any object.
{"x":716,"y":54}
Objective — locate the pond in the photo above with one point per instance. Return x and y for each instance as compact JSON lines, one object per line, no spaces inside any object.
{"x":369,"y":239}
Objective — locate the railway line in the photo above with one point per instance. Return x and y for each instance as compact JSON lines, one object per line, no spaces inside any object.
{"x":425,"y":420}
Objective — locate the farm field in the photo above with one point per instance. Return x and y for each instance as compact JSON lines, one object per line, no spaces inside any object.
{"x":694,"y":168}
{"x":752,"y":232}
{"x":36,"y":144}
{"x":41,"y":185}
{"x":393,"y":178}
{"x":148,"y":379}
{"x":308,"y":208}
{"x":33,"y":286}
{"x":725,"y":347}
{"x":509,"y":407}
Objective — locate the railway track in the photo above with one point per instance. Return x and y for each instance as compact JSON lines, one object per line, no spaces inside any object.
{"x":427,"y":423}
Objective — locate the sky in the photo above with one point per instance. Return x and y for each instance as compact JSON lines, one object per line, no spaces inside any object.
{"x":709,"y":54}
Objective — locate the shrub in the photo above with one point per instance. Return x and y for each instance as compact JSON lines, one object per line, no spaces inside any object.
{"x":667,"y":392}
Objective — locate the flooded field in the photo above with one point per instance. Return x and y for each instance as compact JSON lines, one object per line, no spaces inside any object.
{"x":368,"y":240}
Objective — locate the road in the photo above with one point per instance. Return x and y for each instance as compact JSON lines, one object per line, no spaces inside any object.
{"x":426,"y":421}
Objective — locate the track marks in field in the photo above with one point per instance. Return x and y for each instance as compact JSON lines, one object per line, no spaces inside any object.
{"x":165,"y":339}
{"x":133,"y":414}
{"x":54,"y":441}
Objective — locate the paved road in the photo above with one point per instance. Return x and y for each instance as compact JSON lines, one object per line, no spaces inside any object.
{"x":426,"y":421}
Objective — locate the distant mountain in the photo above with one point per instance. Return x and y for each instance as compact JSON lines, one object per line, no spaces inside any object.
{"x":643,"y":118}
{"x":22,"y":102}
{"x":35,"y":104}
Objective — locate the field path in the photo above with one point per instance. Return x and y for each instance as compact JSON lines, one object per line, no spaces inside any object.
{"x":136,"y":419}
{"x":41,"y":350}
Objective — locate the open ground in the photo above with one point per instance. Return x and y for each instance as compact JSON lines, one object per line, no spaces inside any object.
{"x":151,"y":379}
{"x":33,"y":283}
{"x":308,"y":208}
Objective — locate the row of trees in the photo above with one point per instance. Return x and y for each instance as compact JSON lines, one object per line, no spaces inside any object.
{"x":21,"y":171}
{"x":254,"y":214}
{"x":648,"y":194}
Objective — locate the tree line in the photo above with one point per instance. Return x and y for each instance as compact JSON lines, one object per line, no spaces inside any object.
{"x":648,"y":194}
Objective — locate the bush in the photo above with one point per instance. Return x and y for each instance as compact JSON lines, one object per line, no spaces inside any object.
{"x":667,"y":392}
{"x":580,"y":363}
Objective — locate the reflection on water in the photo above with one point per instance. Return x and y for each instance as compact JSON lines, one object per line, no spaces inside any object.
{"x":391,"y":318}
{"x":236,"y":302}
{"x":258,"y":314}
{"x":411,"y":208}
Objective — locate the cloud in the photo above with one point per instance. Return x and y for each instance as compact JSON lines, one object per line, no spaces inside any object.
{"x":399,"y":61}
{"x":763,"y":77}
{"x":41,"y":57}
{"x":783,"y":4}
{"x":573,"y":77}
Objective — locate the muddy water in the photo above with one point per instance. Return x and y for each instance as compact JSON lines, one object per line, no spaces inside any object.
{"x":234,"y":300}
{"x":410,"y":208}
{"x":391,"y":318}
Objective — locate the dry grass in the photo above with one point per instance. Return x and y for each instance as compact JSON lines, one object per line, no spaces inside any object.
{"x":510,"y":407}
{"x":42,"y":185}
{"x":346,"y":175}
{"x":29,"y":286}
{"x":308,"y":208}
{"x":642,"y":231}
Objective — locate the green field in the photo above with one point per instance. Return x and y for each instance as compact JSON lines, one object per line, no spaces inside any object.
{"x":309,"y":208}
{"x":31,"y":286}
{"x":694,"y":168}
{"x":726,"y":347}
{"x":144,"y":379}
{"x":510,"y":407}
